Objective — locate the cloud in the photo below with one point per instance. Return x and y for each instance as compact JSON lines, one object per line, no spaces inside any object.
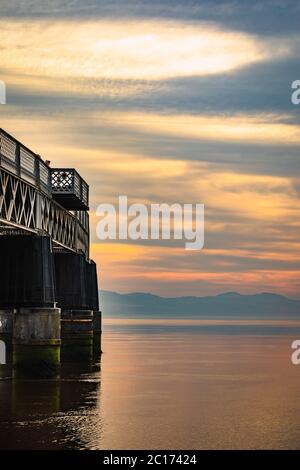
{"x":263,"y":129}
{"x":175,"y":268}
{"x":266,"y":17}
{"x":185,"y":112}
{"x":252,"y":220}
{"x":130,"y":50}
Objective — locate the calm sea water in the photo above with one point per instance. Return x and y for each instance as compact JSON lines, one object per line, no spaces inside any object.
{"x":165,"y":384}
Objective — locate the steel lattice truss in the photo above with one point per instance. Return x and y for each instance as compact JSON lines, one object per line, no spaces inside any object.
{"x":26,"y":208}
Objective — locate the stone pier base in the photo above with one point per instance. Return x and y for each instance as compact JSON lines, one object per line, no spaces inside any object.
{"x":6,"y":327}
{"x":6,"y":321}
{"x":36,"y":342}
{"x":77,"y":335}
{"x":97,"y":328}
{"x":97,"y":349}
{"x":97,"y":322}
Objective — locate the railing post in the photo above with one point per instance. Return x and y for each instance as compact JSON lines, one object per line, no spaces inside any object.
{"x":37,"y":172}
{"x":38,"y":210}
{"x":76,"y":234}
{"x":18,"y":160}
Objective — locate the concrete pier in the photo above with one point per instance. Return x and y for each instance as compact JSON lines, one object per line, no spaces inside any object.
{"x":6,"y":332}
{"x":97,"y":322}
{"x":77,"y":335}
{"x":97,"y":329}
{"x":93,"y":301}
{"x":77,"y":294}
{"x":47,"y":296}
{"x":29,"y":317}
{"x":77,"y":323}
{"x":45,"y":273}
{"x":71,"y":281}
{"x":36,"y":342}
{"x":6,"y":324}
{"x":27,"y":272}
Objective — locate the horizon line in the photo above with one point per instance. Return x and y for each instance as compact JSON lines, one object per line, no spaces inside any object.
{"x":199,"y":296}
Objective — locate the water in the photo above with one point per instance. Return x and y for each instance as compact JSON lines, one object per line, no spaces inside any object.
{"x":165,"y":384}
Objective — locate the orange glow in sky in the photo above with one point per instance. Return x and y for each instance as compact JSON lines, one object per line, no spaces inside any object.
{"x":140,"y":109}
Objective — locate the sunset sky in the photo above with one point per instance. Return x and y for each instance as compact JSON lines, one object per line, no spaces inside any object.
{"x":174,"y":101}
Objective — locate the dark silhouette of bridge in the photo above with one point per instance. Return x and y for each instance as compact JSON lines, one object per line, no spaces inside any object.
{"x":48,"y":284}
{"x":42,"y":200}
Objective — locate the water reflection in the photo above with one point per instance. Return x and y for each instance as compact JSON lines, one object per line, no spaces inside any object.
{"x":52,"y":414}
{"x":200,"y":385}
{"x":211,"y":385}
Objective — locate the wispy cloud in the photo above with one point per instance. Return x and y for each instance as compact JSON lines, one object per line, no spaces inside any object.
{"x":263,"y":129}
{"x":173,"y":105}
{"x":145,"y":50}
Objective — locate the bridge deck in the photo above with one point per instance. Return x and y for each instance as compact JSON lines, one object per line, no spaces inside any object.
{"x":27,"y":203}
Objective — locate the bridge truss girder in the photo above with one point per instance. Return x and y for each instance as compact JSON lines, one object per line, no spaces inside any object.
{"x":26,"y":208}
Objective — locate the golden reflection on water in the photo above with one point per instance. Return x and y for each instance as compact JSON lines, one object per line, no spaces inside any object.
{"x":198,"y":391}
{"x":163,"y":385}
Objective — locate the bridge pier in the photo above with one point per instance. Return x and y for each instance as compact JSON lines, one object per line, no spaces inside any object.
{"x":45,"y":269}
{"x":6,"y":330}
{"x":93,"y":301}
{"x":77,"y":335}
{"x":76,"y":288}
{"x":28,"y":306}
{"x":97,"y":329}
{"x":36,"y":342}
{"x":6,"y":324}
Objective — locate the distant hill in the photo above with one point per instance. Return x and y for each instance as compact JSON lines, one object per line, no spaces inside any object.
{"x":226,"y":305}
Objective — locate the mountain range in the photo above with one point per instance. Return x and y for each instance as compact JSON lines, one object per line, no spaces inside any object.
{"x":230,"y":304}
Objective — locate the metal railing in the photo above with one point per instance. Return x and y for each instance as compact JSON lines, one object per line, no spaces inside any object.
{"x":22,"y":162}
{"x":66,"y":181}
{"x":26,"y":202}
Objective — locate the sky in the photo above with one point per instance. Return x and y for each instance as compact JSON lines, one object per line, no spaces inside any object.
{"x":169,"y":101}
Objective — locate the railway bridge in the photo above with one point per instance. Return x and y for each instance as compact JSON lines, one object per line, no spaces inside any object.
{"x":48,"y":283}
